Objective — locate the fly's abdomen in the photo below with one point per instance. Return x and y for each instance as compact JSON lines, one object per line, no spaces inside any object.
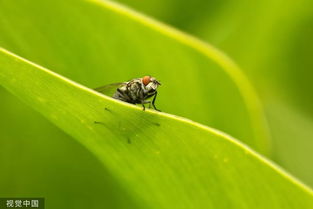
{"x":122,"y":94}
{"x":119,"y":96}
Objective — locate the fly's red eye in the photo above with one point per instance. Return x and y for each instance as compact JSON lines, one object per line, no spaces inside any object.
{"x":146,"y":80}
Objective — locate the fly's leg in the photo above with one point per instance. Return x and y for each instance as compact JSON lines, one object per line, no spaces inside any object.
{"x":153,"y":101}
{"x":143,"y":102}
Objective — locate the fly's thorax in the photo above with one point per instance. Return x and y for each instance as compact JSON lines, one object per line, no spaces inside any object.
{"x":134,"y":85}
{"x":135,"y":90}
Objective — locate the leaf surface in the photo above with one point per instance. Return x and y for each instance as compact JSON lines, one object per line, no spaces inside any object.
{"x":100,"y":42}
{"x":160,"y":160}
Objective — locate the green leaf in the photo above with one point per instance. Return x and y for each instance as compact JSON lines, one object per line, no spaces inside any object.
{"x":38,"y":159}
{"x":162,"y":161}
{"x":96,"y":43}
{"x":273,"y":45}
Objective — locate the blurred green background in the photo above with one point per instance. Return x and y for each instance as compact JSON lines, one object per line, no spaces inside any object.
{"x":271,"y":40}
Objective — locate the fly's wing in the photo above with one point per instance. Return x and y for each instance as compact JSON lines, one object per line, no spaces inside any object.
{"x":109,"y":89}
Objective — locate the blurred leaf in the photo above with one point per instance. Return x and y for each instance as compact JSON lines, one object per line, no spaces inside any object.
{"x":293,"y":133}
{"x":163,"y":161}
{"x":96,"y":43}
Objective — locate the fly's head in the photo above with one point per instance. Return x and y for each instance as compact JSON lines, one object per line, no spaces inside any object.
{"x":150,"y":83}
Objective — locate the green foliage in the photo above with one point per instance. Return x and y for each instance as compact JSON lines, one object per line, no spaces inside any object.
{"x":161,"y":161}
{"x":144,"y":159}
{"x":272,"y":42}
{"x":101,"y":43}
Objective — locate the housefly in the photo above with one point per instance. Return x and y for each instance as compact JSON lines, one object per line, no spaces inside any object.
{"x":135,"y":91}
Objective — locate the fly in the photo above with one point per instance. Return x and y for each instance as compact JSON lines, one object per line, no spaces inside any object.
{"x":135,"y":91}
